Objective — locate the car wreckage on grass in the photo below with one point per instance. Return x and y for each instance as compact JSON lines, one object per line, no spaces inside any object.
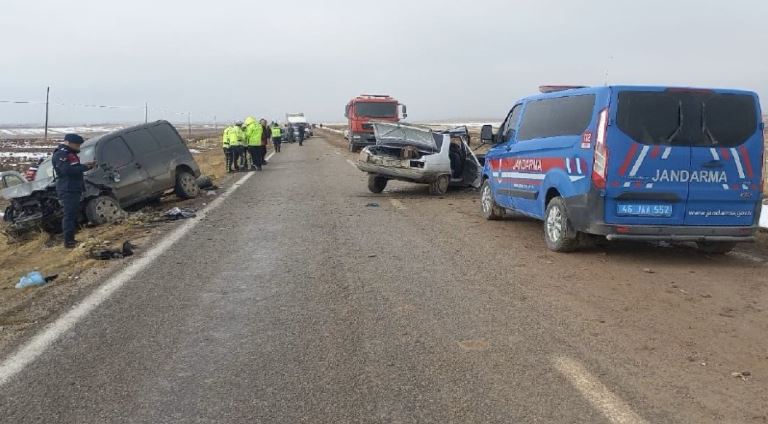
{"x":133,"y":165}
{"x":420,"y":155}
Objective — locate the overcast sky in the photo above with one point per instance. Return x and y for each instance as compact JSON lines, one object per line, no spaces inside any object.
{"x":444,"y":59}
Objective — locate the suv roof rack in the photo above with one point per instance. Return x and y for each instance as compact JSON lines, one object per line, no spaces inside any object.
{"x":555,"y":88}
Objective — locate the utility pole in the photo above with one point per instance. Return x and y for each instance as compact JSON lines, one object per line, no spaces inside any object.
{"x":146,"y":112}
{"x":189,"y":125}
{"x":215,"y":124}
{"x":47,"y":96}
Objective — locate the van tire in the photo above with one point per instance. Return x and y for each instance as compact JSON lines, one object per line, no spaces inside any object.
{"x":440,"y":185}
{"x":186,"y":186}
{"x":103,"y":210}
{"x":558,"y":231}
{"x":490,"y":209}
{"x":376,"y":184}
{"x":715,"y":247}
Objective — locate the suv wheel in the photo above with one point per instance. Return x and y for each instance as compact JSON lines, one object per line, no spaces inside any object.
{"x":376,"y":184}
{"x":186,"y":186}
{"x":491,"y":210}
{"x":714,"y":247}
{"x":103,"y":210}
{"x":440,"y":185}
{"x":558,"y":232}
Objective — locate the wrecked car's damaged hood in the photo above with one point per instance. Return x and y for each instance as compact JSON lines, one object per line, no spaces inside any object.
{"x":397,"y":134}
{"x":25,"y":189}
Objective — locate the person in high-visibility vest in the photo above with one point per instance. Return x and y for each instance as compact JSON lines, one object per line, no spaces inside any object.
{"x":277,"y":136}
{"x":253,"y":134}
{"x":225,"y":140}
{"x":236,"y":138}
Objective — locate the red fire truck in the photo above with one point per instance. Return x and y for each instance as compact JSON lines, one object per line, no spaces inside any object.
{"x":370,"y":107}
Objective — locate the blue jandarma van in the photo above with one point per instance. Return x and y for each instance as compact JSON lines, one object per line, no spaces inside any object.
{"x":630,"y":163}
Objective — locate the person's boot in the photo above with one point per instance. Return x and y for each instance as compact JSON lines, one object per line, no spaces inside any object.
{"x":71,"y":244}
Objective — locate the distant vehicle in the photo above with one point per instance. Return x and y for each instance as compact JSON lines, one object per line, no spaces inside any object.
{"x":365,"y":108}
{"x":630,"y":163}
{"x":296,"y":120}
{"x":10,"y":179}
{"x":135,"y":164}
{"x":419,"y":155}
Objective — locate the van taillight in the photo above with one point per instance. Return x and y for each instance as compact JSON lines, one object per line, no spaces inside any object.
{"x":600,"y":163}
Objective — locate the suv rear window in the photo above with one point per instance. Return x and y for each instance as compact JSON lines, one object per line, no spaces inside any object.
{"x":687,"y":118}
{"x":166,"y":135}
{"x":556,"y":117}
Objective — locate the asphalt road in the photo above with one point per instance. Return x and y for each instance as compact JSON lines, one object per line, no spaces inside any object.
{"x":304,"y":298}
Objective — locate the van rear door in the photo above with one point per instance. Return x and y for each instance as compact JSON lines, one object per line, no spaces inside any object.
{"x":645,"y":157}
{"x":726,"y":160}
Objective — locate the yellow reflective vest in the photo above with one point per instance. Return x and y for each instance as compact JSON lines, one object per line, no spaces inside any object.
{"x":276,"y":132}
{"x":253,"y":132}
{"x":225,"y":139}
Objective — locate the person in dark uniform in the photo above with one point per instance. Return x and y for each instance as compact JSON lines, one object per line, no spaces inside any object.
{"x":301,"y":135}
{"x":69,"y":184}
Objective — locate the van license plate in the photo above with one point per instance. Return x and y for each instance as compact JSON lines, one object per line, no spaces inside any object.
{"x":635,"y":209}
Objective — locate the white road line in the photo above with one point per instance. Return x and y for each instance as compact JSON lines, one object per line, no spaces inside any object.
{"x":352,"y":163}
{"x":31,"y":350}
{"x":596,"y":393}
{"x":397,"y":204}
{"x":639,"y":161}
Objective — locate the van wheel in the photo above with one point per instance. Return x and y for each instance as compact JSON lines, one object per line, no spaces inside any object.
{"x":376,"y":184}
{"x":715,"y":247}
{"x":103,"y":210}
{"x":440,"y":185}
{"x":491,"y":210}
{"x":558,"y":232}
{"x":186,"y":186}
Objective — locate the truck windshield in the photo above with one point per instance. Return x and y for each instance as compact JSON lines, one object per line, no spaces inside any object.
{"x":687,"y":118}
{"x":376,"y":110}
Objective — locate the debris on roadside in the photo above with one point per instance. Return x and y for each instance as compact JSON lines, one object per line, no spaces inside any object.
{"x":743,"y":375}
{"x":177,"y":213}
{"x":35,"y":278}
{"x":648,"y":271}
{"x":372,"y":205}
{"x":104,"y":254}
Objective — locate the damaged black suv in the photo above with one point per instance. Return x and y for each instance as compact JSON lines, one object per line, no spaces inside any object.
{"x":133,"y":165}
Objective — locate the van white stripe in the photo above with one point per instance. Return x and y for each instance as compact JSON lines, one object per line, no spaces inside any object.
{"x":627,"y":184}
{"x":725,"y":186}
{"x":715,"y":156}
{"x":578,"y":165}
{"x":568,"y":164}
{"x":527,"y":176}
{"x":639,"y":161}
{"x":649,"y":185}
{"x":745,"y":187}
{"x":737,"y":158}
{"x":666,"y":153}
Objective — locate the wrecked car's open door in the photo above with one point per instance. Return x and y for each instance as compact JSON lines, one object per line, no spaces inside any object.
{"x":472,"y":170}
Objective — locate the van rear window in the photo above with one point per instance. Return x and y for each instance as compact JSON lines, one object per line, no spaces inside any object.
{"x":687,"y":118}
{"x":556,"y":117}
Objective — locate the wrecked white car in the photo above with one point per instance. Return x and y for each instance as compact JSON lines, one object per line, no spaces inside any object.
{"x":420,"y":155}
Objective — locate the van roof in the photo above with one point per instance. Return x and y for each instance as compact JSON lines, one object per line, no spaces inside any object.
{"x":600,"y":89}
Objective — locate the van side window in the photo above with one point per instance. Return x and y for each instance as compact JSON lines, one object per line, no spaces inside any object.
{"x":115,"y":152}
{"x":141,"y":142}
{"x":561,"y":116}
{"x":166,"y":135}
{"x":511,"y":123}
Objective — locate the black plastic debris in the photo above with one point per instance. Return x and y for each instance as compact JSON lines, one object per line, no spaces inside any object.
{"x":372,"y":205}
{"x":107,"y":254}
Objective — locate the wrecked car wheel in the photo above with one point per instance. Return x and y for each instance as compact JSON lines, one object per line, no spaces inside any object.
{"x":491,"y":210}
{"x":103,"y":210}
{"x":376,"y":184}
{"x":440,"y":185}
{"x":186,"y":186}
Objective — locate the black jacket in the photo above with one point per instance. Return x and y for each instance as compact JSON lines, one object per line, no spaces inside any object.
{"x":69,"y":171}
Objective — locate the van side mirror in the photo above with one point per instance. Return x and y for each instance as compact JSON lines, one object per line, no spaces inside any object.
{"x":486,"y":134}
{"x":405,"y":111}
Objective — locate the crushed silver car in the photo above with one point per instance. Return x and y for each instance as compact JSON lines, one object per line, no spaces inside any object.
{"x":416,"y":154}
